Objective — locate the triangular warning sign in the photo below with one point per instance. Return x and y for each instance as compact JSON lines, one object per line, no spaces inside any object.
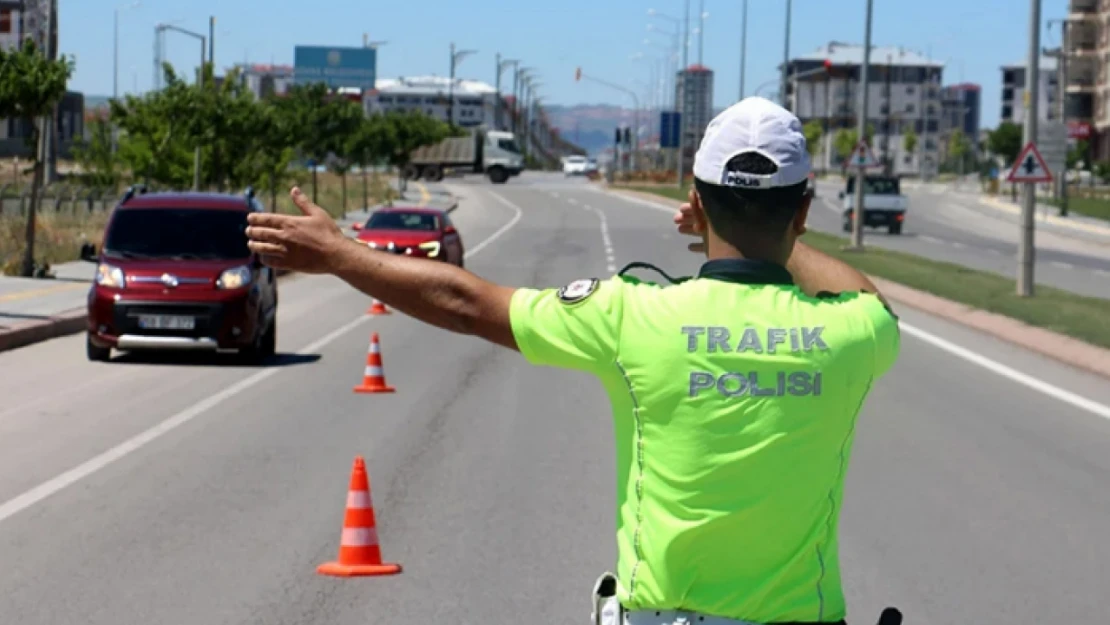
{"x":1029,"y":166}
{"x":862,"y":156}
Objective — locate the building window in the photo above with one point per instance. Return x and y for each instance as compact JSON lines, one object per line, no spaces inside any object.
{"x":5,"y":21}
{"x":1007,"y":112}
{"x":909,"y":90}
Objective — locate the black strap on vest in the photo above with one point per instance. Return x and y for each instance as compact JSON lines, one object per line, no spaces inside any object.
{"x":640,"y":265}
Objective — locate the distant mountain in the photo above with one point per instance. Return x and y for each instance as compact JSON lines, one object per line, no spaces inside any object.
{"x":591,"y":126}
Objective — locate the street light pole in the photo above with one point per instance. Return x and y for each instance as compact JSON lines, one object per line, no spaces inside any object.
{"x":861,"y":132}
{"x":1026,"y":249}
{"x":683,"y":114}
{"x":786,"y":52}
{"x":743,"y":44}
{"x":456,"y":58}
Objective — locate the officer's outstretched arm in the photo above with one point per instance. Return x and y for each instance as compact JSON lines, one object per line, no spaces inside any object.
{"x":434,"y":292}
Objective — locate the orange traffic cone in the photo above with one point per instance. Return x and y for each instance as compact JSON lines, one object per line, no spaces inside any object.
{"x":378,"y":308}
{"x":373,"y":380}
{"x":359,"y":551}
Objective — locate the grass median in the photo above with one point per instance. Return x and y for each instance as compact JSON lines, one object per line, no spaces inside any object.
{"x":1053,"y":309}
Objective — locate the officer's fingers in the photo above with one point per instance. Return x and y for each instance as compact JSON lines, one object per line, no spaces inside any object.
{"x":266,"y":235}
{"x":269,"y":220}
{"x":304,"y":204}
{"x":267,"y":249}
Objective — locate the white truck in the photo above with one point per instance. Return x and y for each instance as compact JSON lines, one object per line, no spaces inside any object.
{"x":884,"y":206}
{"x":491,"y":152}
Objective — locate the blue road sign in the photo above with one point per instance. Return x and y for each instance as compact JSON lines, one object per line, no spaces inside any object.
{"x":669,"y":124}
{"x":355,"y":68}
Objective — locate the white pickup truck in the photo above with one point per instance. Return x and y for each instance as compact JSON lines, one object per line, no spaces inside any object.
{"x":883,"y":203}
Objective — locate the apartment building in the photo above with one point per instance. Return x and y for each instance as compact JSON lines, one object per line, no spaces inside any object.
{"x":903,"y":96}
{"x":1088,"y":62}
{"x":1013,"y":92}
{"x":694,"y":88}
{"x":474,"y":101}
{"x":20,"y":19}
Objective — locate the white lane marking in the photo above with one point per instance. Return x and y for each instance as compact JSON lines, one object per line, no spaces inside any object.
{"x":610,"y":257}
{"x":993,"y":366}
{"x":929,"y":239}
{"x":55,"y":484}
{"x":1061,"y":265}
{"x":993,"y":252}
{"x":572,"y":200}
{"x":1026,"y":380}
{"x":1102,"y":272}
{"x":957,"y":245}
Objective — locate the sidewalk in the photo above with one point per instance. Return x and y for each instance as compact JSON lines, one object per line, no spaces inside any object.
{"x":33,"y":310}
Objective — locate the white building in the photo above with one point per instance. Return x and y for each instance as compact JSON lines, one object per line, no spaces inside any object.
{"x":265,"y":80}
{"x":475,"y":101}
{"x":903,"y":95}
{"x":1013,"y":91}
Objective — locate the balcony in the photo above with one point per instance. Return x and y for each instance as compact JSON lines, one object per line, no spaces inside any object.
{"x":1081,"y":9}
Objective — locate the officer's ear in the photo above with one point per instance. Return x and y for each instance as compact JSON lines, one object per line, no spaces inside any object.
{"x":799,"y":223}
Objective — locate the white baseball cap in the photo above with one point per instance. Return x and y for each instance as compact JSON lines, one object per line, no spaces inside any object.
{"x":753,"y":125}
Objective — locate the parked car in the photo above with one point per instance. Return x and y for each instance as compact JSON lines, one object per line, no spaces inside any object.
{"x":421,"y":232}
{"x":175,"y":272}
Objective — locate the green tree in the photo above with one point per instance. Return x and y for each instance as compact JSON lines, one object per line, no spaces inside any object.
{"x":157,"y":132}
{"x":100,"y":166}
{"x":1077,"y":154}
{"x":813,"y":131}
{"x":845,"y":142}
{"x":909,"y":141}
{"x":1005,"y":141}
{"x":345,"y":120}
{"x":411,"y":130}
{"x":272,"y":147}
{"x":30,"y":86}
{"x":368,"y":146}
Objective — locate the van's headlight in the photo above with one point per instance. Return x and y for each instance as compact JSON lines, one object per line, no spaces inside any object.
{"x":109,"y":276}
{"x":234,"y":278}
{"x":431,"y":247}
{"x":372,"y":245}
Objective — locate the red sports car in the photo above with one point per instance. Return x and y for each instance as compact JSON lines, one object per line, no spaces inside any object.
{"x":423,"y":232}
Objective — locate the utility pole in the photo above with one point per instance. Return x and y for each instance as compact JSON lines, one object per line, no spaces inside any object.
{"x":451,"y":90}
{"x":743,"y":44}
{"x":1026,"y":250}
{"x":701,"y":29}
{"x":682,"y":112}
{"x":50,"y":126}
{"x":212,"y":43}
{"x":786,"y":58}
{"x":1061,"y":107}
{"x":887,"y":161}
{"x":861,"y":129}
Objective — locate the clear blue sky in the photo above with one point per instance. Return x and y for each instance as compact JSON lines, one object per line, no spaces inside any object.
{"x":974,"y":37}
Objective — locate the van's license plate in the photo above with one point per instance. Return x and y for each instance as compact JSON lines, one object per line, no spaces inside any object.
{"x":166,"y":322}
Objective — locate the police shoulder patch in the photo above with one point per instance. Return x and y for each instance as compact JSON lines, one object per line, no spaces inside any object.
{"x":577,"y":291}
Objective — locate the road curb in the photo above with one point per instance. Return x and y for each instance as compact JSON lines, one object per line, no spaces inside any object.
{"x":64,"y":324}
{"x":69,"y":322}
{"x":1059,"y":347}
{"x":1008,"y":207}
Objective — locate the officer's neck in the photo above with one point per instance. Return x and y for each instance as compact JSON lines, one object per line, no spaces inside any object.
{"x":716,"y":249}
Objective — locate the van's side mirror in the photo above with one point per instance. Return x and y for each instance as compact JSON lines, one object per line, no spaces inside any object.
{"x":450,"y":230}
{"x":88,"y":252}
{"x":356,"y":227}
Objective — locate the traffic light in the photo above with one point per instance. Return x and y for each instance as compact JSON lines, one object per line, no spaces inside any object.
{"x":617,"y":140}
{"x":577,"y":74}
{"x":628,"y":136}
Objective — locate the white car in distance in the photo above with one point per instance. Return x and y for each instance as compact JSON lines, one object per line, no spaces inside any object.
{"x":576,"y":166}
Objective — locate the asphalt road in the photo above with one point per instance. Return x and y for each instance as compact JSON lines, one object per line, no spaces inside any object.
{"x":955,"y":227}
{"x":198,"y":491}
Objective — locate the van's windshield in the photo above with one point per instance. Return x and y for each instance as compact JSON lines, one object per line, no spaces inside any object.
{"x":876,"y":185}
{"x":178,"y":233}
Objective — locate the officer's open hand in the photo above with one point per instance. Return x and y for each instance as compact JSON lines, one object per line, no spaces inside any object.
{"x":691,"y":221}
{"x":304,"y":242}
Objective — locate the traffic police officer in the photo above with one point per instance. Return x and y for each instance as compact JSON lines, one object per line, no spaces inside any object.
{"x":735,"y":393}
